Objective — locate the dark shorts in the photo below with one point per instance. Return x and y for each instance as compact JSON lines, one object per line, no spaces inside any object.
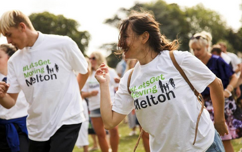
{"x":95,"y":113}
{"x":62,"y":141}
{"x":23,"y":139}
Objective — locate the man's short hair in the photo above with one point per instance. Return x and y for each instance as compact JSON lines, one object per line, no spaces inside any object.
{"x":12,"y":19}
{"x":216,"y":48}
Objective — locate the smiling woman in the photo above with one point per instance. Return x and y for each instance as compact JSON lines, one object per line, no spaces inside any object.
{"x":167,"y":113}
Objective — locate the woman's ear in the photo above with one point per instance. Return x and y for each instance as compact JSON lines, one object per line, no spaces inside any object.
{"x":145,"y":37}
{"x":207,"y":46}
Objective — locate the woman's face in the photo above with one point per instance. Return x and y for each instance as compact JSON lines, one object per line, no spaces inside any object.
{"x":133,"y":43}
{"x":93,"y":61}
{"x":3,"y":61}
{"x":199,"y":51}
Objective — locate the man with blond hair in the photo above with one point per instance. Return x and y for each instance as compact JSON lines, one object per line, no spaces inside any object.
{"x":43,"y":68}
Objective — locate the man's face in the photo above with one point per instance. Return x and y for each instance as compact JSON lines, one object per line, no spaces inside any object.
{"x":16,"y":37}
{"x":223,"y":48}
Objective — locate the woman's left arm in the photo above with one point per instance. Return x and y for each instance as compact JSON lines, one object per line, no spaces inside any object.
{"x":217,"y":97}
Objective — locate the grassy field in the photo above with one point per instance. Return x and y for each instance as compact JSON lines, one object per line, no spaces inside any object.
{"x":127,"y":142}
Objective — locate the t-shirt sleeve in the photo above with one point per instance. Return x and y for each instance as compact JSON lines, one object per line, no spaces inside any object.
{"x":123,"y":102}
{"x":12,"y":79}
{"x":197,"y":72}
{"x":75,"y":56}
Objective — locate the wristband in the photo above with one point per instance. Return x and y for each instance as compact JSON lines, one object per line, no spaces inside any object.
{"x":226,"y":90}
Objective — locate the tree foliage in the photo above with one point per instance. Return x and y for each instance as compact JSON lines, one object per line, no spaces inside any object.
{"x":181,"y":23}
{"x":57,"y":24}
{"x":202,"y":19}
{"x":113,"y":58}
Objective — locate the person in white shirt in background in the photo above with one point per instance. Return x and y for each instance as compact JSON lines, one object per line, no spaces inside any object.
{"x":43,"y":68}
{"x":91,"y":91}
{"x":121,"y":67}
{"x":235,"y":62}
{"x":165,"y":105}
{"x":16,"y":116}
{"x":82,"y":140}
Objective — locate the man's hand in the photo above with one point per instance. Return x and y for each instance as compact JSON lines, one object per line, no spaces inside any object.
{"x":93,"y":93}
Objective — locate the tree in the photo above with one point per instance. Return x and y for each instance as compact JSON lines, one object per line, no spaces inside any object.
{"x":202,"y":19}
{"x":182,"y":23}
{"x":57,"y":24}
{"x":113,"y":58}
{"x":172,"y":20}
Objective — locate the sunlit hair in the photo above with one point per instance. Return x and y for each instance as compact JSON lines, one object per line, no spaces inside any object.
{"x":89,"y":63}
{"x":99,"y":57}
{"x":12,"y":19}
{"x":8,"y":49}
{"x":202,"y":39}
{"x":222,"y":44}
{"x":145,"y":22}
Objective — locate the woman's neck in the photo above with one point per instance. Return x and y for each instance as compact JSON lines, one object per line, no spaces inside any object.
{"x":148,"y":57}
{"x":33,"y":36}
{"x":206,"y":58}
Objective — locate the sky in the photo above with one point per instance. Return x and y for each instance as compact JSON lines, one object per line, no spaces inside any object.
{"x":91,"y":14}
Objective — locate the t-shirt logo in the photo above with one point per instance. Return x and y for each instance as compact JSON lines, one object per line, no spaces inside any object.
{"x":40,"y":71}
{"x":146,"y":94}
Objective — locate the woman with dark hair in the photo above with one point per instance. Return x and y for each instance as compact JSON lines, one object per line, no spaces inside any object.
{"x":165,"y":105}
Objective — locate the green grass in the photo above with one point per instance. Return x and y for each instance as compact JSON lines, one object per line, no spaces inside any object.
{"x":127,"y":143}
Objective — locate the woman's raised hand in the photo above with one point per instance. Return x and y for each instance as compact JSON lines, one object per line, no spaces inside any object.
{"x":102,"y":74}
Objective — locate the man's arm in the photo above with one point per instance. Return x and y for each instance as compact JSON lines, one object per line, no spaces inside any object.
{"x":82,"y":78}
{"x":238,"y":68}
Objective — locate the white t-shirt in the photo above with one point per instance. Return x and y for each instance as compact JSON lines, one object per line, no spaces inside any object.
{"x":18,"y":110}
{"x":234,"y":61}
{"x":92,"y":84}
{"x":121,"y":67}
{"x":165,"y":105}
{"x":82,"y":139}
{"x":226,"y":58}
{"x":45,"y":74}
